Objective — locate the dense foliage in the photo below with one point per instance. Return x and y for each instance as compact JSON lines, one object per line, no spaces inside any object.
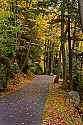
{"x":37,"y":36}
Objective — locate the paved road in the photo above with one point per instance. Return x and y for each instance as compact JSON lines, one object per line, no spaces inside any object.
{"x":25,"y":106}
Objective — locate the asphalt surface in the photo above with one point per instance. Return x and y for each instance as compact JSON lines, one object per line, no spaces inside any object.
{"x":25,"y":107}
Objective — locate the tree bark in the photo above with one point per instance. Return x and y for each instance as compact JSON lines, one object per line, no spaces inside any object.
{"x":27,"y":55}
{"x":62,"y":41}
{"x":45,"y":59}
{"x":50,"y":58}
{"x":74,"y":37}
{"x":80,"y":2}
{"x":70,"y":50}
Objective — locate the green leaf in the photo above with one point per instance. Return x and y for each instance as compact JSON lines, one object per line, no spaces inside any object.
{"x":16,"y":29}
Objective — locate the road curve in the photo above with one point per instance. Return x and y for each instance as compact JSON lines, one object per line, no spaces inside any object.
{"x":24,"y":107}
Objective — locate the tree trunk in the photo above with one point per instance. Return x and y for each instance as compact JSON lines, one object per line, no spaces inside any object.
{"x":74,"y":40}
{"x":62,"y":41}
{"x":70,"y":51}
{"x":45,"y":59}
{"x":50,"y":58}
{"x":27,"y":55}
{"x":80,"y":2}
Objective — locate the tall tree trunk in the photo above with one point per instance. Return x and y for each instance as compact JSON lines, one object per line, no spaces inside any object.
{"x":70,"y":50}
{"x":50,"y":58}
{"x":62,"y":41}
{"x":45,"y":59}
{"x":80,"y":2}
{"x":60,"y":55}
{"x":27,"y":56}
{"x":74,"y":36}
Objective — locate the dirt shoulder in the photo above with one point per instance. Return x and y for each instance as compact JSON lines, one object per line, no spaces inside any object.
{"x":56,"y":112}
{"x":17,"y":82}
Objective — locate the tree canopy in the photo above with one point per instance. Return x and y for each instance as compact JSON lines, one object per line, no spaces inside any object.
{"x":42,"y":35}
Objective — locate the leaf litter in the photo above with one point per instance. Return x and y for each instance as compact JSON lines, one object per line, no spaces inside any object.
{"x":56,"y":112}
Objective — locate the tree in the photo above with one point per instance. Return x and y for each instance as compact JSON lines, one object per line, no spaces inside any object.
{"x":63,"y":40}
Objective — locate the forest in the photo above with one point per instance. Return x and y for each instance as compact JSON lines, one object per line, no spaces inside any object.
{"x":42,"y":37}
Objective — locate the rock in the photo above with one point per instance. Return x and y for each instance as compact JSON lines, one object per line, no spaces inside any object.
{"x":73,"y":97}
{"x":51,"y":74}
